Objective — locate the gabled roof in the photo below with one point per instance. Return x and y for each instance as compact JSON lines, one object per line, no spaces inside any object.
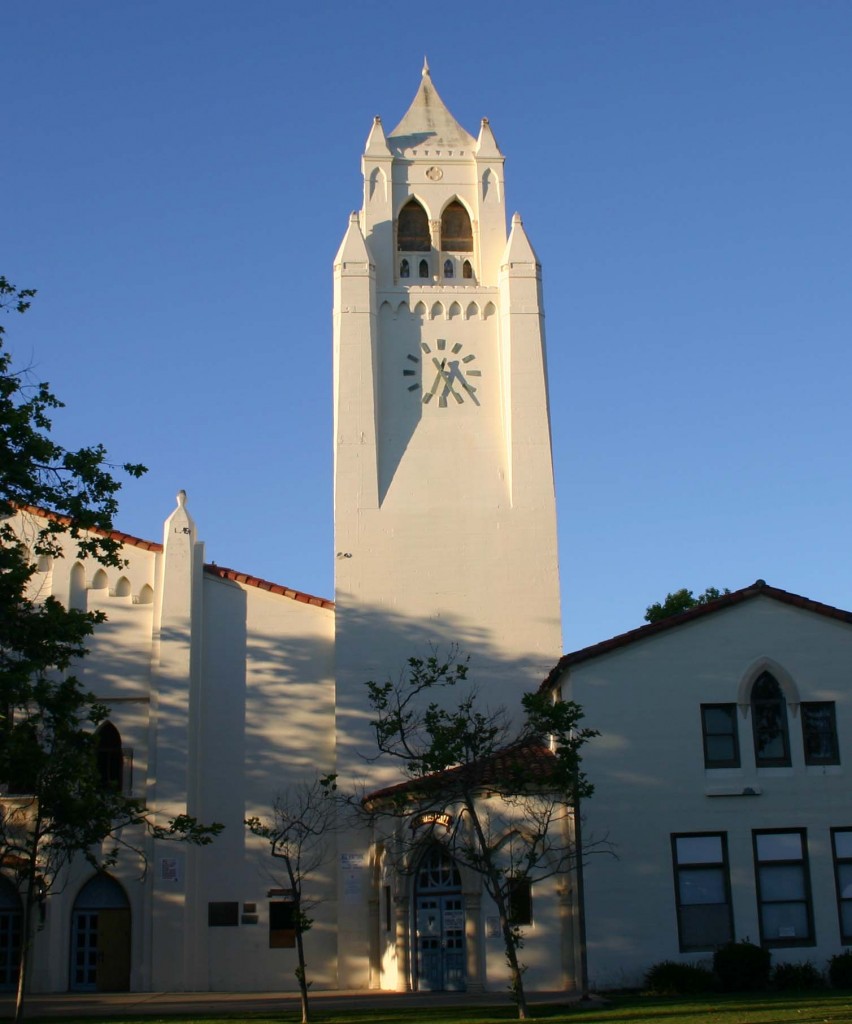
{"x":530,"y":761}
{"x":428,"y":122}
{"x":122,"y":538}
{"x":760,"y":588}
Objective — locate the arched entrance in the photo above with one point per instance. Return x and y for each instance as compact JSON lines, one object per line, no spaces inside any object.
{"x":10,"y":935}
{"x":100,"y":937}
{"x":439,"y":924}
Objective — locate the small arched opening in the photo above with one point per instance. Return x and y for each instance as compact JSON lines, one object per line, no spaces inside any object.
{"x":110,"y":757}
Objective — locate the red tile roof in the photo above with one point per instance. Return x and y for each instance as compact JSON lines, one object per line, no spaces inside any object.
{"x":760,"y":588}
{"x":122,"y":538}
{"x":530,"y":761}
{"x":274,"y":588}
{"x":213,"y":570}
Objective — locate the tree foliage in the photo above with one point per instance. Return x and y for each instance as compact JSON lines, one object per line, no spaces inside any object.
{"x":303,"y":817}
{"x":502,"y":801}
{"x":681,"y":601}
{"x":56,"y":803}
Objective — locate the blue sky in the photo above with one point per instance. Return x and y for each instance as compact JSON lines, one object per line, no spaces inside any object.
{"x":177,"y":177}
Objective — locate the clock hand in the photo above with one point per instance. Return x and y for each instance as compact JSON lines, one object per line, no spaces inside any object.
{"x":447,"y":378}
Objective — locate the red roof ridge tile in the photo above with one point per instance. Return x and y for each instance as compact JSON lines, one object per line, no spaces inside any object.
{"x":760,"y":588}
{"x":261,"y":584}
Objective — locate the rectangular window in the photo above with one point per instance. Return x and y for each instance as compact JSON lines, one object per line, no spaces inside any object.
{"x":282,"y":925}
{"x":841,"y":844}
{"x":702,"y":890}
{"x":223,"y":915}
{"x":519,"y":894}
{"x":783,"y":888}
{"x":386,"y":893}
{"x":819,"y":733}
{"x":721,"y":741}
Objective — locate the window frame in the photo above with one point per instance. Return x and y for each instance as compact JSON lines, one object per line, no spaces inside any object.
{"x":804,"y":708}
{"x":679,"y":869}
{"x":783,"y":942}
{"x":845,"y":937}
{"x":733,"y":762}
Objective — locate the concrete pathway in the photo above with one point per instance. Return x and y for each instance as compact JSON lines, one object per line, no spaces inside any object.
{"x":131,"y":1004}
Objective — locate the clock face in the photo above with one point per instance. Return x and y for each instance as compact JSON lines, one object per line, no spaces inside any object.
{"x":445,"y":372}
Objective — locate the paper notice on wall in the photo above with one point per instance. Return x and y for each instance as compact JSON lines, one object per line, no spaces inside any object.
{"x":171,"y":870}
{"x":352,"y":866}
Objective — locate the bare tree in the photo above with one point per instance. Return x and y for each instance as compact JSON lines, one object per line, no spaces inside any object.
{"x":502,"y":802}
{"x":303,"y":817}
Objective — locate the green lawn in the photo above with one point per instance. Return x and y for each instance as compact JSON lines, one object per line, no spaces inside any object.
{"x":805,"y":1008}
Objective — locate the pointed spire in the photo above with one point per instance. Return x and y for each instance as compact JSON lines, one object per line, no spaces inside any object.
{"x":428,"y":121}
{"x":425,"y":70}
{"x":353,"y":248}
{"x":518,"y":249}
{"x":376,"y":142}
{"x":486,"y":144}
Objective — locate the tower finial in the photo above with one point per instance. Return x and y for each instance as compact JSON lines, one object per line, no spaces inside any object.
{"x":425,"y":70}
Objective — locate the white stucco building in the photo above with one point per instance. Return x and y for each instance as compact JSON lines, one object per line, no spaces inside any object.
{"x":224,"y":687}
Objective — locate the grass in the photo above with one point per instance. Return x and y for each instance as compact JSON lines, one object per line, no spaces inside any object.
{"x":763,"y":1008}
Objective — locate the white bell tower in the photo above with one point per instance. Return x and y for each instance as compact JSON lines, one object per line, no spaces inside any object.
{"x":445,"y":517}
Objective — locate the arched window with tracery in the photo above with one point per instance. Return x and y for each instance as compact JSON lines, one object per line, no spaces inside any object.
{"x":110,"y":757}
{"x":412,"y":230}
{"x":769,"y":723}
{"x":456,"y":231}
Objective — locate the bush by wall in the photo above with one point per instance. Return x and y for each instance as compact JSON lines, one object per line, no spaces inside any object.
{"x":840,"y":970}
{"x":671,"y":978}
{"x":742,"y":967}
{"x":796,"y":977}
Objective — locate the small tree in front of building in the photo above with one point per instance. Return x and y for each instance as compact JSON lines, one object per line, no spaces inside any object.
{"x":56,"y":804}
{"x":303,"y":817}
{"x":502,"y":803}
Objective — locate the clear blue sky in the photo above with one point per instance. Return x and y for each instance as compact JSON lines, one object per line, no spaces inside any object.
{"x":176,"y":178}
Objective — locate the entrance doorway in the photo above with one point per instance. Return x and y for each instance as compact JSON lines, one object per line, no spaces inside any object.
{"x":100,"y":937}
{"x":11,"y":920}
{"x":439,"y":924}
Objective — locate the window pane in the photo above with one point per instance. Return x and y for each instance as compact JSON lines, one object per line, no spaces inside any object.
{"x":721,"y":748}
{"x":699,"y":849}
{"x":717,"y":719}
{"x":703,"y":927}
{"x":779,"y":846}
{"x":843,"y":843}
{"x":846,"y":919}
{"x":844,"y":880}
{"x":819,"y":733}
{"x":782,"y":882}
{"x":699,"y":885}
{"x":785,"y":921}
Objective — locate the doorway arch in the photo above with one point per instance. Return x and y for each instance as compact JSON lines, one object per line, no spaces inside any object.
{"x":100,"y":937}
{"x":11,"y":920}
{"x":440,"y":956}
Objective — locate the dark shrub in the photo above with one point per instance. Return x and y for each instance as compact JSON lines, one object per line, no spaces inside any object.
{"x":671,"y":978}
{"x":742,"y":966}
{"x":797,"y":977}
{"x":840,"y":970}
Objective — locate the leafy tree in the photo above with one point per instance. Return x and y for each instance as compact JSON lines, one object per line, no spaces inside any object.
{"x":56,"y":805}
{"x":502,"y":803}
{"x":302,"y":819}
{"x":681,"y":601}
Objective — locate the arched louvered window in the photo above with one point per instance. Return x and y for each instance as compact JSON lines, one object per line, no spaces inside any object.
{"x":448,"y":268}
{"x":424,"y":268}
{"x":467,"y":270}
{"x":769,"y":723}
{"x":456,"y":232}
{"x":412,"y":232}
{"x":404,"y":269}
{"x":110,"y":757}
